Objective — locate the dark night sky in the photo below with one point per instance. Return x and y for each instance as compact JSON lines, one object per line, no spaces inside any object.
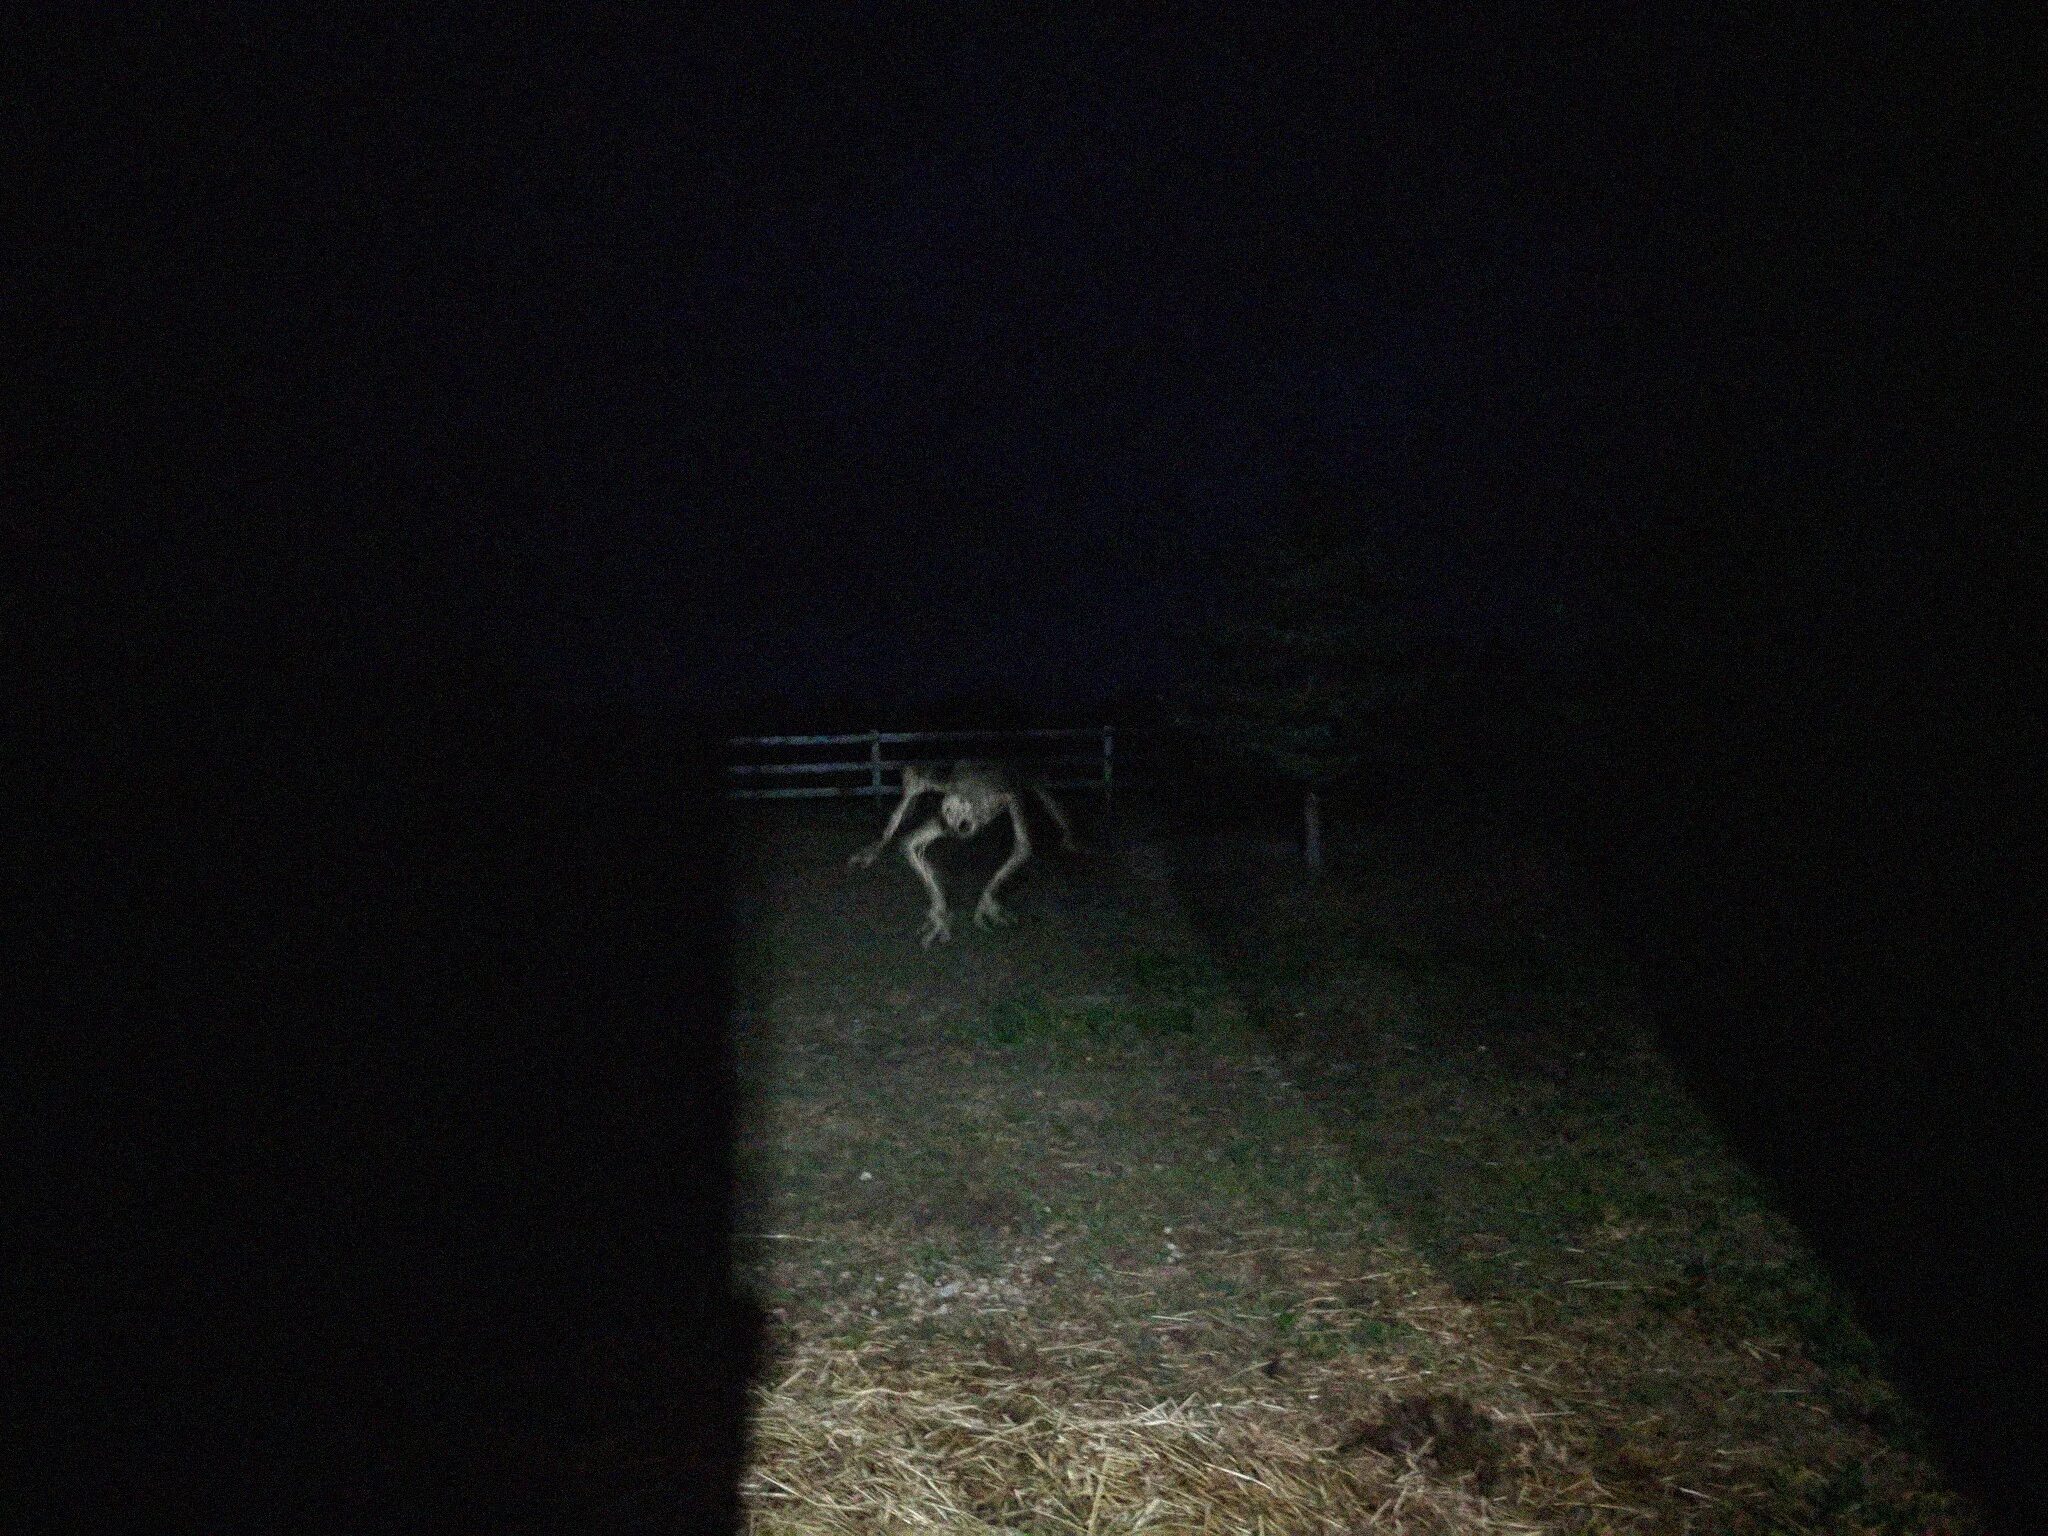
{"x":794,"y":356}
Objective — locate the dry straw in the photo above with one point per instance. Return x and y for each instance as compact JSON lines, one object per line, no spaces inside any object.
{"x":867,"y":1439}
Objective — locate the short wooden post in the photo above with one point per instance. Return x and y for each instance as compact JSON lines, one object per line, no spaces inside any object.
{"x":875,"y":763}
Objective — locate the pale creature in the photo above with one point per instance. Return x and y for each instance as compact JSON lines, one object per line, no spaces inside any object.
{"x":971,"y":796}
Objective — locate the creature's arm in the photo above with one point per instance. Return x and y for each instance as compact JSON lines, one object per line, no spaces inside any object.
{"x":937,"y":923}
{"x":915,"y":782}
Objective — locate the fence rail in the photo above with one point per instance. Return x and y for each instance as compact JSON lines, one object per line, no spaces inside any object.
{"x":872,"y":768}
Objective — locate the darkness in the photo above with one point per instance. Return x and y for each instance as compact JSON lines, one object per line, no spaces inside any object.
{"x":471,"y":415}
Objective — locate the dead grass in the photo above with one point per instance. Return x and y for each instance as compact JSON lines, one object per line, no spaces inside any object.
{"x":857,"y":1440}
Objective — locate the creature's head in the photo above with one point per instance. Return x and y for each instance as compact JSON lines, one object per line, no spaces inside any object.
{"x":961,"y":815}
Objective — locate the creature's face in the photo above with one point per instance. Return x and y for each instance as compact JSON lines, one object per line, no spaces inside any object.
{"x":961,"y":815}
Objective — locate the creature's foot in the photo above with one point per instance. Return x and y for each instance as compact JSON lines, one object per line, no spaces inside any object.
{"x":937,"y":925}
{"x":863,"y":857}
{"x":987,"y":914}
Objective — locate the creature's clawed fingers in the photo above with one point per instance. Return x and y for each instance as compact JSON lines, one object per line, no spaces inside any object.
{"x":861,"y":858}
{"x":937,"y":925}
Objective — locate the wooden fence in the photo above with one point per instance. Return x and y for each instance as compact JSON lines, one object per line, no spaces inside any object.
{"x":762,"y":764}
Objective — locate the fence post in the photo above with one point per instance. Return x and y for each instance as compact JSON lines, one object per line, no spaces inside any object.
{"x":1108,"y":778}
{"x":875,"y":761}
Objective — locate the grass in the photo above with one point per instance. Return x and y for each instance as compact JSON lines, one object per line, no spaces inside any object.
{"x":1266,"y":1219}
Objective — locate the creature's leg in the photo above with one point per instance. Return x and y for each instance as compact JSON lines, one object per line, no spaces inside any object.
{"x":987,"y":911}
{"x":915,"y":782}
{"x":937,"y":924}
{"x":1052,"y":808}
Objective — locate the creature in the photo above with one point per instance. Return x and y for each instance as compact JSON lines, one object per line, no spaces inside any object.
{"x":973,"y":795}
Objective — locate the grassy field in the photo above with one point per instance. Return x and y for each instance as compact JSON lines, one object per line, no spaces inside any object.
{"x":1203,"y":1200}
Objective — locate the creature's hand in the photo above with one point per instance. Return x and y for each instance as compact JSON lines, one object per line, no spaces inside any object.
{"x":988,"y":914}
{"x":863,"y":857}
{"x":937,"y":925}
